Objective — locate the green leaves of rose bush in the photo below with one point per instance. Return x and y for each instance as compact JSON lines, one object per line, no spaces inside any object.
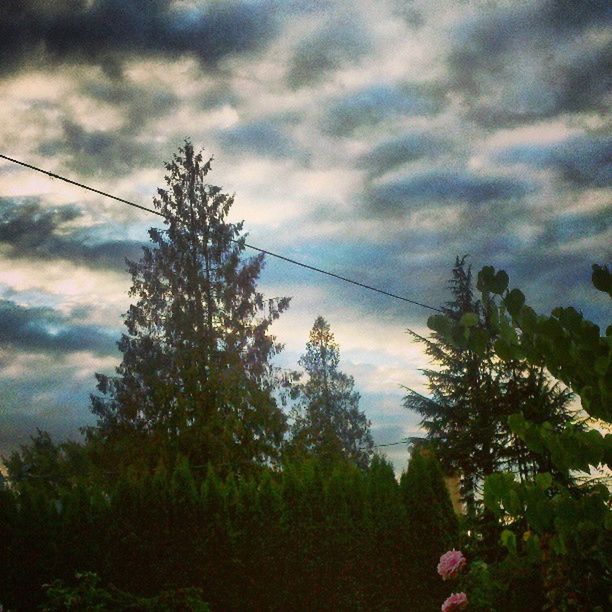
{"x":572,"y":449}
{"x":571,"y":520}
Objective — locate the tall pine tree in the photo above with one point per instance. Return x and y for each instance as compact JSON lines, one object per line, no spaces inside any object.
{"x":196,"y":378}
{"x":327,"y":421}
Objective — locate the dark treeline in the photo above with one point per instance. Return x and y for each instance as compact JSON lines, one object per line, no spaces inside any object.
{"x":309,"y":537}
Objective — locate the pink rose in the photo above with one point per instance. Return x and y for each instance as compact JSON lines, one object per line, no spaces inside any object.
{"x":457,"y":601}
{"x":450,"y":564}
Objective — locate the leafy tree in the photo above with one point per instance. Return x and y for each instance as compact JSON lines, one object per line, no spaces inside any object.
{"x":327,"y":421}
{"x":196,"y":378}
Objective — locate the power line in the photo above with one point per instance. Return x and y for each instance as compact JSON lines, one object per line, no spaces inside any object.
{"x":405,"y":441}
{"x":250,"y":246}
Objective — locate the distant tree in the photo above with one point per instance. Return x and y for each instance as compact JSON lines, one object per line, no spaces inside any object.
{"x":196,"y":378}
{"x":472,"y":393}
{"x":327,"y":421}
{"x":46,"y":465}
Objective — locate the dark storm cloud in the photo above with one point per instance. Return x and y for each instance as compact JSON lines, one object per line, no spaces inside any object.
{"x":44,"y":330}
{"x":569,"y":227}
{"x":535,"y":61}
{"x":108,"y":31}
{"x":140,"y":104}
{"x":99,"y":152}
{"x":32,"y":231}
{"x":583,"y":161}
{"x":325,"y":51}
{"x":441,"y":187}
{"x":407,"y":148}
{"x":371,"y":106}
{"x":258,"y":138}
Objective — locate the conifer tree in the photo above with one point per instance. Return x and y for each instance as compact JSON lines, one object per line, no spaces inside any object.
{"x":327,"y":420}
{"x":196,"y":378}
{"x":471,"y":396}
{"x":432,"y":523}
{"x":459,"y":416}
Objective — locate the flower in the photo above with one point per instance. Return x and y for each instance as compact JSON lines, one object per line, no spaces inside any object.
{"x":457,"y":601}
{"x":450,"y":564}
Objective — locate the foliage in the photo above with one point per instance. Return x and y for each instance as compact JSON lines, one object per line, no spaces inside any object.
{"x":88,"y":595}
{"x":196,"y":377}
{"x":566,"y":528}
{"x":327,"y":420}
{"x":433,"y":525}
{"x":319,"y":538}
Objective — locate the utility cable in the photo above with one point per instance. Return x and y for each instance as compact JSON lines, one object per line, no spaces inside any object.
{"x":250,"y":246}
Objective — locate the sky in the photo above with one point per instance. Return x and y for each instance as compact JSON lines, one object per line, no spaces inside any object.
{"x":378,"y":139}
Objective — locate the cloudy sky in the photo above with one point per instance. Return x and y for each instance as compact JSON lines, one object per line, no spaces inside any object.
{"x":375,"y":138}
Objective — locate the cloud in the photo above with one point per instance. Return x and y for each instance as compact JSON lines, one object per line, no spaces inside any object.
{"x":325,"y":51}
{"x":534,"y":61}
{"x":442,"y":187}
{"x":32,"y":231}
{"x":399,"y":151}
{"x":372,"y":105}
{"x":139,"y":104}
{"x":261,"y":138}
{"x":106,"y":32}
{"x":98,"y":152}
{"x":582,"y":161}
{"x":42,"y":329}
{"x":567,"y":228}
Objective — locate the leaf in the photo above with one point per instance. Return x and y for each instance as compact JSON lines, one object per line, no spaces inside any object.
{"x":544,"y":481}
{"x":469,"y":319}
{"x":514,"y":301}
{"x":601,"y":365}
{"x":508,"y":539}
{"x":512,"y":503}
{"x":440,"y":323}
{"x":500,"y":282}
{"x":485,"y":278}
{"x":503,"y":350}
{"x":517,"y":423}
{"x":528,"y":319}
{"x":495,"y":487}
{"x":602,"y":279}
{"x":478,"y":340}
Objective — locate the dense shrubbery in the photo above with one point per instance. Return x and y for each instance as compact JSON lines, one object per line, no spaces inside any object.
{"x":305,"y":538}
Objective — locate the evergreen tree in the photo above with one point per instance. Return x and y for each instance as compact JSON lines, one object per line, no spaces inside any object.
{"x":432,"y":523}
{"x":196,"y":378}
{"x":327,"y":421}
{"x":460,"y":414}
{"x":471,"y":396}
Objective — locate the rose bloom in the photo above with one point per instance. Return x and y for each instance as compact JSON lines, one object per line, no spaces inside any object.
{"x":457,"y":601}
{"x":450,"y":564}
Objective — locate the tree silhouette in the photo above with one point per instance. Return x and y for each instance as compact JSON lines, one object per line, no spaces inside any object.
{"x":327,"y":421}
{"x":196,"y":378}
